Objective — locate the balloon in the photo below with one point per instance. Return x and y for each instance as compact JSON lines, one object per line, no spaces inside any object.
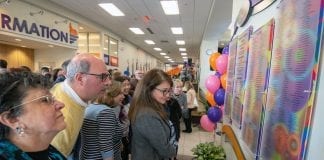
{"x":206,"y":124}
{"x":212,"y":60}
{"x":223,"y":80}
{"x":214,"y":114}
{"x":210,"y":98}
{"x":225,"y":50}
{"x":221,"y":63}
{"x":212,"y":83}
{"x":218,"y":74}
{"x":219,"y":96}
{"x":222,"y":107}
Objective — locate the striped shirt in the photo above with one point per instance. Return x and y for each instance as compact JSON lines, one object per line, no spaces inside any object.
{"x":101,"y":134}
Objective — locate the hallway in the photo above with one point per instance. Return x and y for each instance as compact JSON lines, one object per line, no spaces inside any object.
{"x":190,"y":140}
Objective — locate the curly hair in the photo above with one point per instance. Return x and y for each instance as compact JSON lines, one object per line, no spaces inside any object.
{"x":14,"y":88}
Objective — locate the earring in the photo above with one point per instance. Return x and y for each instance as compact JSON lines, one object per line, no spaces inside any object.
{"x":20,"y":131}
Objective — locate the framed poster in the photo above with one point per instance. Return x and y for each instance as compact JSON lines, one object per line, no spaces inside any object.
{"x":114,"y":61}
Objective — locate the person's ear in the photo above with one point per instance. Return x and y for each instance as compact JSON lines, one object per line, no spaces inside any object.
{"x":10,"y":122}
{"x":79,"y":78}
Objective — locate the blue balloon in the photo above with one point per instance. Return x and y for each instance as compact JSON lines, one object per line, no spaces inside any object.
{"x":219,"y":96}
{"x":225,"y":50}
{"x":214,"y":114}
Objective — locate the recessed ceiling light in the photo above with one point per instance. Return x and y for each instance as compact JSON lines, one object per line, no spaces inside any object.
{"x":136,"y":30}
{"x":149,"y":42}
{"x":111,"y":9}
{"x":23,"y":46}
{"x":157,"y":49}
{"x":180,"y":42}
{"x":81,"y":28}
{"x":106,"y":49}
{"x":176,"y":30}
{"x":17,"y":39}
{"x":183,"y":54}
{"x":51,"y":46}
{"x":170,"y":7}
{"x":182,"y":49}
{"x":166,"y":57}
{"x":163,"y":54}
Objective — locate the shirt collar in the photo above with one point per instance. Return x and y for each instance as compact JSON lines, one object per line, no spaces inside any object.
{"x":67,"y":88}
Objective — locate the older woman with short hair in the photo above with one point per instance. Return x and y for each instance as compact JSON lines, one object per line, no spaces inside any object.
{"x":30,"y":117}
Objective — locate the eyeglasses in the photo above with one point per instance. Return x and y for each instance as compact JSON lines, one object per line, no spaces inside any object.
{"x":102,"y":76}
{"x":164,"y":91}
{"x":48,"y":99}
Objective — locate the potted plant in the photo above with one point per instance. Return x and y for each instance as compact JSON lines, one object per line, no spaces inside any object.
{"x":208,"y":151}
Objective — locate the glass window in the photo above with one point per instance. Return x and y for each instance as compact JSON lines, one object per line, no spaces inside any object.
{"x":113,"y":47}
{"x":94,"y":43}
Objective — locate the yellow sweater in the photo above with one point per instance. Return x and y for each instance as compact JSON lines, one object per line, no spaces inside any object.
{"x":73,"y":114}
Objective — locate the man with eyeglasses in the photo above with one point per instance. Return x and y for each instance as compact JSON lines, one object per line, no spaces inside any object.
{"x":86,"y":78}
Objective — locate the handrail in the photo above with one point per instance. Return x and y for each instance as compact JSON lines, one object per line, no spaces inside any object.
{"x":228,"y":131}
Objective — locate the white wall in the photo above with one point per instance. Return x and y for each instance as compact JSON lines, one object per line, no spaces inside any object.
{"x":130,"y":53}
{"x":204,"y":61}
{"x":317,"y":132}
{"x":56,"y":55}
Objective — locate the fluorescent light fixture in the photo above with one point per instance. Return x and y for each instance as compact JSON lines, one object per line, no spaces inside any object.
{"x":177,"y":30}
{"x":19,"y":40}
{"x":149,"y":42}
{"x":185,"y":57}
{"x":157,"y":49}
{"x":183,"y":54}
{"x":182,"y":49}
{"x":23,"y":46}
{"x":51,"y":46}
{"x":170,"y":7}
{"x":163,"y":54}
{"x":111,"y":9}
{"x":169,"y":59}
{"x":180,"y":42}
{"x":81,"y":28}
{"x":106,"y":49}
{"x":166,"y":57}
{"x":136,"y":30}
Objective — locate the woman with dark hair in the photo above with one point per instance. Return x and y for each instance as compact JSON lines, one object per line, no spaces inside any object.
{"x":101,"y":131}
{"x":30,"y":117}
{"x":153,"y":134}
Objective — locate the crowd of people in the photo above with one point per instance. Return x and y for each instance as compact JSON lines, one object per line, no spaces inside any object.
{"x":84,"y":111}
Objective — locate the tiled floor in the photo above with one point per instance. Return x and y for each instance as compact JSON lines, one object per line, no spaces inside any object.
{"x":190,"y":140}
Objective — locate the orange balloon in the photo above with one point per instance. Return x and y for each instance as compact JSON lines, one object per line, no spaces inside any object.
{"x":210,"y":98}
{"x":223,"y":80}
{"x":212,"y":60}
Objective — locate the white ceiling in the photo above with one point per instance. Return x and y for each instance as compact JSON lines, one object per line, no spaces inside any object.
{"x":198,"y":18}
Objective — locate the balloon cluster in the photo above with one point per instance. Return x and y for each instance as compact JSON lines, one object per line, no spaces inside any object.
{"x":216,"y":86}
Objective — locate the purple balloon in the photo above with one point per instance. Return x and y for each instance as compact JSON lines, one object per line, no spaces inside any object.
{"x":218,"y":74}
{"x":225,"y":50}
{"x":219,"y":96}
{"x":214,"y":114}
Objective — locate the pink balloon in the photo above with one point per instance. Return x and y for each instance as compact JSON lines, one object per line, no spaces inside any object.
{"x":212,"y":83}
{"x":222,"y":108}
{"x":221,"y":63}
{"x":206,"y":124}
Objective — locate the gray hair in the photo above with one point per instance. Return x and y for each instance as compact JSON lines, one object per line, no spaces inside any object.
{"x":74,"y":67}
